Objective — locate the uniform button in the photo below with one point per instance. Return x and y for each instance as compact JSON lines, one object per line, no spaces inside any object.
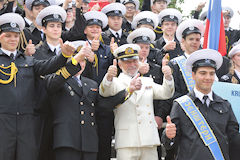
{"x":150,"y":122}
{"x":93,"y":104}
{"x":92,"y":114}
{"x":82,"y":122}
{"x":82,"y":112}
{"x":101,"y":56}
{"x":221,"y":111}
{"x":72,"y":93}
{"x":137,"y":105}
{"x":139,"y":122}
{"x":92,"y":123}
{"x":26,"y":65}
{"x":105,"y":56}
{"x":18,"y":113}
{"x":138,"y":114}
{"x":153,"y":76}
{"x":85,"y":84}
{"x":149,"y":113}
{"x":154,"y":60}
{"x":147,"y":105}
{"x":81,"y":103}
{"x":3,"y":65}
{"x":69,"y":87}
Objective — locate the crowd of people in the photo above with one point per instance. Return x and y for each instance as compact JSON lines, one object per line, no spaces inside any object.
{"x":76,"y":80}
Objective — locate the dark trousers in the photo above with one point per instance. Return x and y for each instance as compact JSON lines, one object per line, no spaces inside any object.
{"x":105,"y":132}
{"x":67,"y":153}
{"x":19,"y":137}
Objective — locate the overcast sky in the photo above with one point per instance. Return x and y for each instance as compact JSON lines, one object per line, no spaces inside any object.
{"x":234,"y":4}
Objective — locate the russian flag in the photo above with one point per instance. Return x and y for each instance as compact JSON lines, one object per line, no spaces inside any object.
{"x":214,"y":36}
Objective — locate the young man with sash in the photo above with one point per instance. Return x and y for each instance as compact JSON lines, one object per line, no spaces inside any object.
{"x":202,"y":124}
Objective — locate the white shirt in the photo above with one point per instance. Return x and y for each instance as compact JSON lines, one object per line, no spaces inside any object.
{"x":58,"y":49}
{"x":187,"y":55}
{"x":9,"y":52}
{"x":114,"y":32}
{"x":28,"y":21}
{"x":200,"y":96}
{"x":237,"y":73}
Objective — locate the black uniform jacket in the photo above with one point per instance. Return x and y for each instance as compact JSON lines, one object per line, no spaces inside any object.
{"x":160,"y":43}
{"x":21,"y":99}
{"x":219,"y":116}
{"x":107,"y":36}
{"x":228,"y":78}
{"x":74,"y":111}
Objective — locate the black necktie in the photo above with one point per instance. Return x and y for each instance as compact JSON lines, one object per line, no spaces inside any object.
{"x":205,"y":97}
{"x":79,"y":84}
{"x":118,"y":37}
{"x":12,"y":56}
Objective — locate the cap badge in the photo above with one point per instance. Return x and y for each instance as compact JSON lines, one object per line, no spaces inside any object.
{"x":172,"y":16}
{"x":55,"y":16}
{"x":129,"y":50}
{"x":41,"y":0}
{"x":191,"y":28}
{"x":13,"y":24}
{"x":116,"y":11}
{"x":144,"y":38}
{"x":207,"y":61}
{"x":148,"y":20}
{"x":95,"y":20}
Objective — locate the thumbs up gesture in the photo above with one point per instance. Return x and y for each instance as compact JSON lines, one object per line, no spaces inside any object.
{"x":113,"y":45}
{"x":170,"y":128}
{"x":89,"y":52}
{"x":67,"y":48}
{"x":143,"y":67}
{"x":112,"y":71}
{"x":167,"y":71}
{"x":95,"y":43}
{"x":169,"y":46}
{"x":30,"y":48}
{"x":135,"y":84}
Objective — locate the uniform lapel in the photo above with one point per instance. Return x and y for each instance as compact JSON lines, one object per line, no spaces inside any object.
{"x":74,"y":84}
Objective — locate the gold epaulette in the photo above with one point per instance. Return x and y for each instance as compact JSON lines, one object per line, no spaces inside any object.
{"x":12,"y":75}
{"x":63,"y":71}
{"x":152,"y":46}
{"x":158,"y":30}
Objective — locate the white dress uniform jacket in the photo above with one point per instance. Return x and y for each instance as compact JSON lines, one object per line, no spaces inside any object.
{"x":134,"y":119}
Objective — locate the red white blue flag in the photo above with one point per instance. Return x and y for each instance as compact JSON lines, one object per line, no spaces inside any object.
{"x":214,"y":36}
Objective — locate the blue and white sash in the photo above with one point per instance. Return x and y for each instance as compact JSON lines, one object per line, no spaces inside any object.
{"x":187,"y":76}
{"x":201,"y":125}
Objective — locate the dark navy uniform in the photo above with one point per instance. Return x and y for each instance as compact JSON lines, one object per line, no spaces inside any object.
{"x":107,"y":36}
{"x":232,"y":36}
{"x":74,"y":105}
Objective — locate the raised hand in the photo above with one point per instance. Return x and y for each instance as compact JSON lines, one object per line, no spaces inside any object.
{"x":89,"y":53}
{"x":171,"y":129}
{"x":200,"y":6}
{"x":112,"y":71}
{"x":135,"y":84}
{"x":166,"y":70}
{"x":113,"y":45}
{"x":67,"y":48}
{"x":143,"y":67}
{"x":30,"y":48}
{"x":169,"y":46}
{"x":95,"y":43}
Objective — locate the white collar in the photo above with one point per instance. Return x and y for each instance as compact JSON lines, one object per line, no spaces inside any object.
{"x":114,"y":32}
{"x":9,"y":52}
{"x":187,"y":55}
{"x":28,"y":20}
{"x":200,"y":95}
{"x":52,"y":47}
{"x":237,"y":73}
{"x":168,"y":40}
